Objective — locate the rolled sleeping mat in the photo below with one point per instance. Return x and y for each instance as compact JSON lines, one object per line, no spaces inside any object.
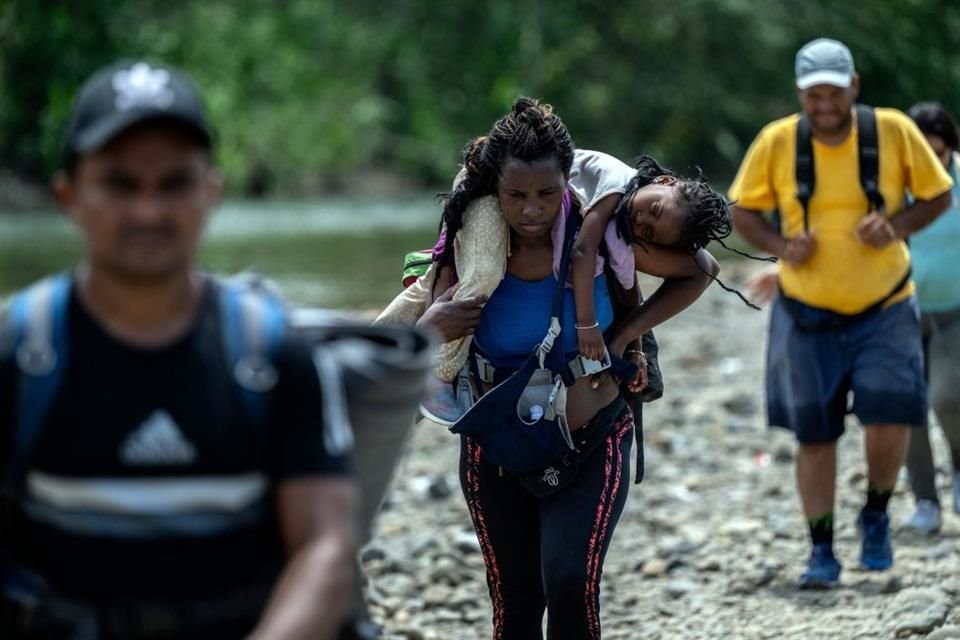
{"x":384,"y":371}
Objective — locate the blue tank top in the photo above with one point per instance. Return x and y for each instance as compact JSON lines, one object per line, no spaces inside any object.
{"x":517,"y":316}
{"x":935,"y":251}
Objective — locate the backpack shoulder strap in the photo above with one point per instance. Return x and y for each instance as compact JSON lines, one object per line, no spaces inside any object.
{"x":869,"y":155}
{"x":805,"y":173}
{"x":253,"y":322}
{"x":38,"y":324}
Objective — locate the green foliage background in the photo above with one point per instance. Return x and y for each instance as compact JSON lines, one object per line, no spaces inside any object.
{"x":313,"y":95}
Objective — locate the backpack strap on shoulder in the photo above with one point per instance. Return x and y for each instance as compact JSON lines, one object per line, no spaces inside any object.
{"x":869,"y":154}
{"x":805,"y":171}
{"x":38,"y":318}
{"x":253,"y":321}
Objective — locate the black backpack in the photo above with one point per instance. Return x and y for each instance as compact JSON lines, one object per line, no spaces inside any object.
{"x":869,"y":161}
{"x":868,"y":151}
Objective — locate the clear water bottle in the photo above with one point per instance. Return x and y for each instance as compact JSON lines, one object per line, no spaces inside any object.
{"x":536,"y":412}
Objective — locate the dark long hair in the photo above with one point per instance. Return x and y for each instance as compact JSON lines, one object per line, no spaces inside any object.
{"x":934,"y":120}
{"x":530,"y":131}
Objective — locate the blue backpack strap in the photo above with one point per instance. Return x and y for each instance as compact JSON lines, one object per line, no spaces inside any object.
{"x":38,"y":322}
{"x":556,"y":359}
{"x":253,"y":322}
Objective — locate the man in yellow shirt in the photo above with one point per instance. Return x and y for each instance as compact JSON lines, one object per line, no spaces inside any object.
{"x":846,"y":319}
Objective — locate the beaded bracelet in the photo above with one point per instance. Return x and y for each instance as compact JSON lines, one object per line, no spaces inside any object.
{"x":585,"y":327}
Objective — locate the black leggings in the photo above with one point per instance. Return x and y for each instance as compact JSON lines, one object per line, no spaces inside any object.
{"x":548,"y":552}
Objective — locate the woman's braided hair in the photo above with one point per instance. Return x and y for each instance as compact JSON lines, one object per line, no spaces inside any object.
{"x":530,"y":131}
{"x":708,"y":213}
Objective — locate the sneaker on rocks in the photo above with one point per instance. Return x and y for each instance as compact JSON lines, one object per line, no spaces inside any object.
{"x":876,"y":554}
{"x":440,"y":402}
{"x":926,"y":518}
{"x":823,"y":569}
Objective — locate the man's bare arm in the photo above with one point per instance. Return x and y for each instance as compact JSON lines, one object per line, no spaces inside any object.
{"x":312,"y":596}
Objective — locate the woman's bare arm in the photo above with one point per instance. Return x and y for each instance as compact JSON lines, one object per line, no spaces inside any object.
{"x":685,"y":277}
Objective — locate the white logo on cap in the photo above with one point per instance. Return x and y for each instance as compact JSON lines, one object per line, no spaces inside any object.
{"x":142,"y":86}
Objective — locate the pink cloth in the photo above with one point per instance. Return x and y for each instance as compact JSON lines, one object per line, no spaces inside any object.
{"x":621,"y":254}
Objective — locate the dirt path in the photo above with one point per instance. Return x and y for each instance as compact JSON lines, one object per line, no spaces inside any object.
{"x":711,"y":543}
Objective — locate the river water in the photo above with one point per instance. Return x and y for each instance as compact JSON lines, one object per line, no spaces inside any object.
{"x":336,"y":253}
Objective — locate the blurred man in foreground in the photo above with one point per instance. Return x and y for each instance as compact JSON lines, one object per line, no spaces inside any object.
{"x":170,"y":465}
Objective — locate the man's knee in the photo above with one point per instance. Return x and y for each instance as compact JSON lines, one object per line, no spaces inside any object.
{"x":886,"y":444}
{"x":816,"y":450}
{"x":892,"y":434}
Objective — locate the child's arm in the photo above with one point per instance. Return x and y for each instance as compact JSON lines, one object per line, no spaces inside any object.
{"x":685,"y":277}
{"x":589,"y":336}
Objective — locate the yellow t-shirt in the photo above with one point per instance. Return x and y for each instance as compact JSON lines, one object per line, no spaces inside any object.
{"x":843,"y":274}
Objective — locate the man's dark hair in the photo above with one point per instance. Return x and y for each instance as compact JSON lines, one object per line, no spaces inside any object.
{"x":934,"y":120}
{"x":531,"y":131}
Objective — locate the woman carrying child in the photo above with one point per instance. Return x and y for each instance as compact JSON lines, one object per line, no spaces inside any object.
{"x":547,"y":551}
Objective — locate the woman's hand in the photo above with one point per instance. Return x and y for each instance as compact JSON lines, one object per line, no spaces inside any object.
{"x":453,"y":319}
{"x":640,"y":381}
{"x":632,"y":354}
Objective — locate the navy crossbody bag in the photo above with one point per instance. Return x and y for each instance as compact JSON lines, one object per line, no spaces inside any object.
{"x":521,"y":423}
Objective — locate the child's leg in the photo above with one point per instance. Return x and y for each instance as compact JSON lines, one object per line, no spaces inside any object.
{"x":481,"y":255}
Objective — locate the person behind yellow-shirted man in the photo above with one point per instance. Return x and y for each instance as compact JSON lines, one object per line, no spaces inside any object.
{"x":845,"y":318}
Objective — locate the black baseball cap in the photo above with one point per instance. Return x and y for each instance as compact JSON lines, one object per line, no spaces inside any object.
{"x":127,"y":93}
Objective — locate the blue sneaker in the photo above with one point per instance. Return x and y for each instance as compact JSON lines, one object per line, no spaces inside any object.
{"x":823,"y":569}
{"x":876,"y":554}
{"x":926,"y":519}
{"x":440,"y":402}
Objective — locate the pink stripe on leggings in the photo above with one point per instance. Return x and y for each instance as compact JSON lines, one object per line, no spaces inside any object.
{"x":612,"y":471}
{"x":483,"y":535}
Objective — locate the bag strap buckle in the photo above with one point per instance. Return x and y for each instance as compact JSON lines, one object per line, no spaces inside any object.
{"x":485,"y":370}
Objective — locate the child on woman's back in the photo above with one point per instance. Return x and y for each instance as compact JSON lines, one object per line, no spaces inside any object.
{"x":621,"y":207}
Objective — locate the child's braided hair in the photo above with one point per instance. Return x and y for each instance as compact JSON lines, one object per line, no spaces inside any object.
{"x":708,"y":212}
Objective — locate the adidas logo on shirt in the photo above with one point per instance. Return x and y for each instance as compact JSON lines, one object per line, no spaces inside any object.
{"x":157,"y":441}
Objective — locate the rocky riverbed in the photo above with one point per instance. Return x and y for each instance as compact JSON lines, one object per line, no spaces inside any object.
{"x":712,"y":542}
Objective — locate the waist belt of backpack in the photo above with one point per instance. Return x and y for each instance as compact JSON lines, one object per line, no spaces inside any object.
{"x":844,"y":318}
{"x":579,"y":366}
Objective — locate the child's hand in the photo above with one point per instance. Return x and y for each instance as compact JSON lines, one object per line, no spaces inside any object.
{"x":590,"y":343}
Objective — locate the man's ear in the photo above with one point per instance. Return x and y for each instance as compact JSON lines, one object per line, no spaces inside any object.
{"x":215,"y":186}
{"x":64,"y":192}
{"x":855,"y":87}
